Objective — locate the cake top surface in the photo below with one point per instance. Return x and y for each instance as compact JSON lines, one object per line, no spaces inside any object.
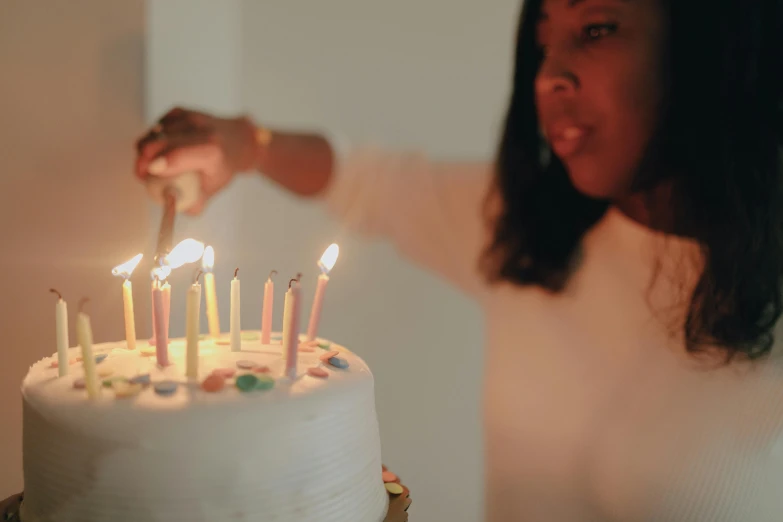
{"x":132,"y":379}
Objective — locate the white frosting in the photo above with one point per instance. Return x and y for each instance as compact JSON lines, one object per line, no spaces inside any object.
{"x":306,"y":450}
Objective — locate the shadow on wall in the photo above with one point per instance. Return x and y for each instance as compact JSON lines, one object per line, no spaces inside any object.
{"x":69,"y":207}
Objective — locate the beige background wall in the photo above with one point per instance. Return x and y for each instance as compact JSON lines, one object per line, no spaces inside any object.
{"x":70,"y":106}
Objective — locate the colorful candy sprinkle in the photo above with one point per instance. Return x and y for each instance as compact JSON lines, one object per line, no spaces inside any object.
{"x":109,"y":383}
{"x":388,"y":476}
{"x":277,"y":336}
{"x":143,"y":379}
{"x":304,"y":348}
{"x":261,"y":369}
{"x":324,"y":346}
{"x":247,"y":382}
{"x":105,"y":372}
{"x":317,"y":372}
{"x":265,"y":382}
{"x":100,"y":358}
{"x":309,"y":344}
{"x":246,"y":365}
{"x":226,"y":373}
{"x":166,"y":388}
{"x":213,"y":383}
{"x":147,"y":351}
{"x":79,"y":383}
{"x":124,"y":389}
{"x":394,"y":488}
{"x":328,"y":355}
{"x":249,"y":336}
{"x":338,"y":362}
{"x":223,"y":342}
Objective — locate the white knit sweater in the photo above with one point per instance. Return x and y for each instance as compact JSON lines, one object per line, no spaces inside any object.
{"x":593,"y":411}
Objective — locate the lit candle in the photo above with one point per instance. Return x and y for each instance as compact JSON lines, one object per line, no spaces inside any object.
{"x":236,"y":328}
{"x":207,"y":263}
{"x":125,"y":270}
{"x":192,"y":311}
{"x":291,"y":328}
{"x":84,"y":336}
{"x":166,"y":290}
{"x":61,"y":324}
{"x":159,"y":318}
{"x":266,"y":317}
{"x":326,"y":263}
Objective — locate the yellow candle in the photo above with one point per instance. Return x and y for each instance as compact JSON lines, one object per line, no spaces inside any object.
{"x":61,"y":320}
{"x":235,"y":325}
{"x":130,"y":321}
{"x":192,"y":311}
{"x":125,"y":270}
{"x":84,"y":336}
{"x":208,"y":262}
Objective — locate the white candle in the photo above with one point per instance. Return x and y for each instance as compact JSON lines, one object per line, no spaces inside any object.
{"x":61,"y":325}
{"x":291,"y":310}
{"x":236,"y":328}
{"x":266,"y":317}
{"x":326,"y":263}
{"x":84,"y":336}
{"x":125,"y":270}
{"x":192,"y":311}
{"x":208,"y":262}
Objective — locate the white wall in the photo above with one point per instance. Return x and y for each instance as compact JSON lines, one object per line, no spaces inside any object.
{"x":430,"y":74}
{"x":70,"y":107}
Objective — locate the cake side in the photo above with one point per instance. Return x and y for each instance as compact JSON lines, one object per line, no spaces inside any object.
{"x":302,"y":450}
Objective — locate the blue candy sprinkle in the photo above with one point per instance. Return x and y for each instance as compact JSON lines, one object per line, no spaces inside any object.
{"x":338,"y":362}
{"x":141,"y":379}
{"x":166,"y":388}
{"x":100,"y":358}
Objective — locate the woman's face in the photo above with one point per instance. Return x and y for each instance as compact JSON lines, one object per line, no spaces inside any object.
{"x":599,"y":88}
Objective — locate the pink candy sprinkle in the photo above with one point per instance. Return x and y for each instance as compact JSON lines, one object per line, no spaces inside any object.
{"x":328,"y":355}
{"x":318,"y":372}
{"x":261,"y":369}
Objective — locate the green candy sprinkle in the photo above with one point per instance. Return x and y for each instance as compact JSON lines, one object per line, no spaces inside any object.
{"x":247,"y":382}
{"x":324,"y":346}
{"x":265,"y":382}
{"x":249,"y":336}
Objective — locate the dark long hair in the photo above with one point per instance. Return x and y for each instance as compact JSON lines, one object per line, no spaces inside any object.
{"x":722,"y":136}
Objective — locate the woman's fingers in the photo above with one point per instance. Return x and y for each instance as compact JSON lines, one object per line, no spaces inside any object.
{"x":154,"y":154}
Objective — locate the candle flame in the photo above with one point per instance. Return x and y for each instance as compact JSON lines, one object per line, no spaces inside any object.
{"x":208,"y":260}
{"x":187,"y":251}
{"x":327,"y":261}
{"x":161,"y":273}
{"x":126,"y":269}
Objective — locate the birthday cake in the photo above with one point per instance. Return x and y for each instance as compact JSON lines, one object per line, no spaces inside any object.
{"x":240,"y":441}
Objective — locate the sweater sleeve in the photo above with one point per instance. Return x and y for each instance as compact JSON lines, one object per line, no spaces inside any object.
{"x":430,"y":211}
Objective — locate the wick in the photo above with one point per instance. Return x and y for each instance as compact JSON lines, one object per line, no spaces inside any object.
{"x":291,"y":282}
{"x":236,"y":272}
{"x":298,"y":276}
{"x":198,"y":274}
{"x":56,"y":292}
{"x":273,"y":272}
{"x":82,"y":302}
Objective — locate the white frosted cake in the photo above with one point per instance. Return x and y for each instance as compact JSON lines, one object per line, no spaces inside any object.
{"x":156,"y":446}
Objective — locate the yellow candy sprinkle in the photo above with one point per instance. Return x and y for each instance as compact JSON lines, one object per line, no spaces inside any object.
{"x":394,"y":488}
{"x":105,"y":372}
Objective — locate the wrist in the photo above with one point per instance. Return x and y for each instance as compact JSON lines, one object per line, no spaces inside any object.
{"x":256,"y":139}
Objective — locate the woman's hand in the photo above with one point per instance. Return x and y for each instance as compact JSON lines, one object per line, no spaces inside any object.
{"x":185,"y":140}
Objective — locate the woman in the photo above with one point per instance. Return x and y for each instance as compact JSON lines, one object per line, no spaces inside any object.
{"x":626,"y":247}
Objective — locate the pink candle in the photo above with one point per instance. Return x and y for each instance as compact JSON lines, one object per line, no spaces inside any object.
{"x":315,"y":313}
{"x":326,"y":263}
{"x":161,"y":335}
{"x":266,"y":317}
{"x":291,"y":328}
{"x":166,"y":289}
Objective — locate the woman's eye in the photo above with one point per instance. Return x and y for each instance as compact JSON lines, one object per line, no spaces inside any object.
{"x":598,"y":31}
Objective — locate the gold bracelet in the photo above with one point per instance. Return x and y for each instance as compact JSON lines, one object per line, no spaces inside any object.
{"x":263,"y":136}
